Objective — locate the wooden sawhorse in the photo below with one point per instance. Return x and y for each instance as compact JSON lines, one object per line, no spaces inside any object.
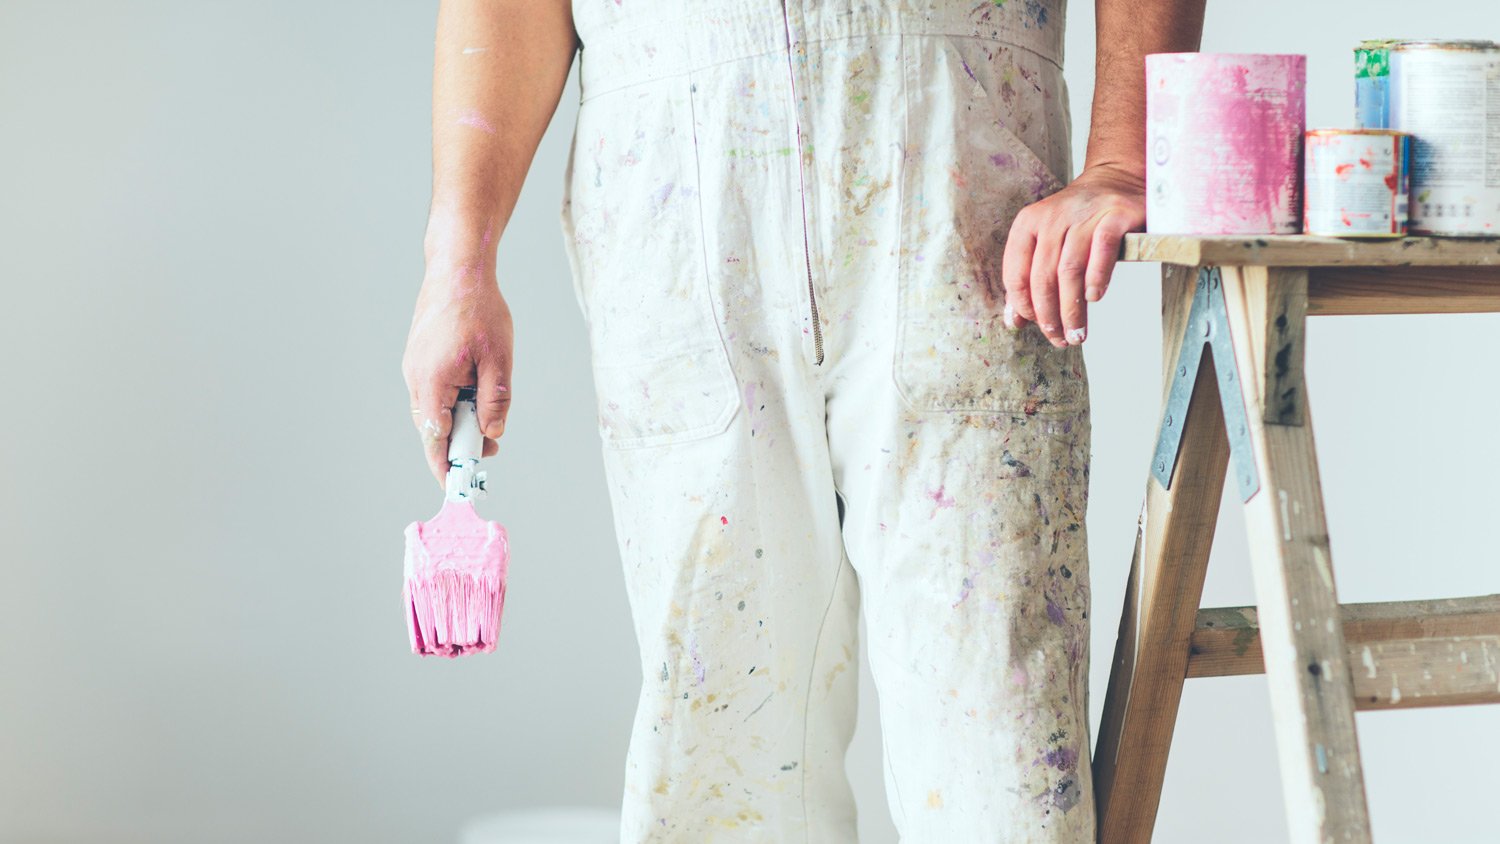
{"x":1233,"y":314}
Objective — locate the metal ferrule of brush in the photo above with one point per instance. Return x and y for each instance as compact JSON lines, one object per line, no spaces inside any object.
{"x":465,"y":482}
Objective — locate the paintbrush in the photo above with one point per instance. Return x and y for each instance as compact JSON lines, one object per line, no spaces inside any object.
{"x":456,"y":562}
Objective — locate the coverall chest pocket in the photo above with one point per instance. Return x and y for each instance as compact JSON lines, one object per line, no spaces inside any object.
{"x":977,"y":112}
{"x":661,"y":372}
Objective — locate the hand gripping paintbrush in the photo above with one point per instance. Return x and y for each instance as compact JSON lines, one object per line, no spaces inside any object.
{"x":456,"y":563}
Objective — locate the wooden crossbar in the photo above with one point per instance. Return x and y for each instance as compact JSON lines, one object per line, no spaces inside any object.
{"x":1348,"y":291}
{"x":1402,"y":654}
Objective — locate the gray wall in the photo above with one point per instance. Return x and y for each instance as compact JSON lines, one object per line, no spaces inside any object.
{"x":210,"y":224}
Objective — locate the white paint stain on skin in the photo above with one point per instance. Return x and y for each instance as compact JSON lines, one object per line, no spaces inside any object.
{"x":1076,"y":335}
{"x":469,"y":51}
{"x":430,"y":429}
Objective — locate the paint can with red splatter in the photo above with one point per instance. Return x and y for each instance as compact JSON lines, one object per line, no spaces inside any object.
{"x":1224,"y":143}
{"x":1446,"y":94}
{"x":1355,"y":183}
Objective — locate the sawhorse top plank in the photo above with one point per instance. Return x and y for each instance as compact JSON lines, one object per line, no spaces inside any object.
{"x":1307,"y":251}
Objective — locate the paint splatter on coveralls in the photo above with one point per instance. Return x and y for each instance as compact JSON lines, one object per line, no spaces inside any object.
{"x":783,"y":220}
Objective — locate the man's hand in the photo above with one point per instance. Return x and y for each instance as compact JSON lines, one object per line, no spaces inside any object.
{"x":460,"y":336}
{"x":1062,"y":250}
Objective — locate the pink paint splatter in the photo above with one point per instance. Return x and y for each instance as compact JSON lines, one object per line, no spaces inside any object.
{"x":943,"y":502}
{"x":723,"y":520}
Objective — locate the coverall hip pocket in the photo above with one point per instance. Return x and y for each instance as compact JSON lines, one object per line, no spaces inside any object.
{"x":634,"y":227}
{"x":987,"y":133}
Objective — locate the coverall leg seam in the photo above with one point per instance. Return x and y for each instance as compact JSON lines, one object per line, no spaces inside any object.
{"x":807,"y":700}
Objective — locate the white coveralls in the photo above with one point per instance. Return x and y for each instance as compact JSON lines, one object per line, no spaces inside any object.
{"x":784,"y":223}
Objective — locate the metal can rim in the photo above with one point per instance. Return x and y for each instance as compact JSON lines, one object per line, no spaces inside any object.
{"x":1203,"y":55}
{"x":1455,"y":45}
{"x":1357,"y":235}
{"x":1391,"y":132}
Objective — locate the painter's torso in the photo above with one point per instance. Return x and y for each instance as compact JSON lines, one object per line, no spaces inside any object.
{"x":918,"y":130}
{"x":785,"y":225}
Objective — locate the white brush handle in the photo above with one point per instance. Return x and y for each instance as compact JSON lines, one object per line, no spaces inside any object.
{"x":466,"y":440}
{"x":465,"y":445}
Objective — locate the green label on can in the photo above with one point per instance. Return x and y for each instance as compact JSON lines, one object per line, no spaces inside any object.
{"x":1372,"y":59}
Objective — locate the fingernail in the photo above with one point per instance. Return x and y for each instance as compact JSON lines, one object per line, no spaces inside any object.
{"x":1093,"y":294}
{"x":1009,"y":317}
{"x":1076,"y":335}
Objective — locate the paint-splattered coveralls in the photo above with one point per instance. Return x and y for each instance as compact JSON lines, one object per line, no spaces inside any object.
{"x":782,"y":221}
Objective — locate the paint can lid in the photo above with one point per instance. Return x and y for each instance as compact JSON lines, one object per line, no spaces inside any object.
{"x":1446,"y":44}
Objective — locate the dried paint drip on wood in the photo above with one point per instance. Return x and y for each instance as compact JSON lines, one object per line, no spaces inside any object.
{"x":1224,"y":143}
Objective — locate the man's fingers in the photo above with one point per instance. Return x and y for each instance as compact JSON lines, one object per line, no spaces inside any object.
{"x":1044,"y":286}
{"x":1015,"y":271}
{"x":1103,"y":255}
{"x":1071,"y":264}
{"x":434,"y":420}
{"x":493,"y":401}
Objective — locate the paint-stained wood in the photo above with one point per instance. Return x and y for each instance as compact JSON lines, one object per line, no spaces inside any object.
{"x":1386,"y":643}
{"x":1173,"y":539}
{"x":1283,"y":344}
{"x":1296,"y":250}
{"x":1337,"y":291}
{"x":1306,"y":660}
{"x":1411,"y":673}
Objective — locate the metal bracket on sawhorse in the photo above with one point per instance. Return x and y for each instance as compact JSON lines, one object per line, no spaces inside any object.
{"x":1208,"y":322}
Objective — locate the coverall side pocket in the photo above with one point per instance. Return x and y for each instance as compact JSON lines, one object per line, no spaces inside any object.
{"x":661,"y":369}
{"x":966,"y":175}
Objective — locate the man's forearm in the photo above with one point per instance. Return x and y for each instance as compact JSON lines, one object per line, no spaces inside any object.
{"x":1128,"y":30}
{"x":498,"y":75}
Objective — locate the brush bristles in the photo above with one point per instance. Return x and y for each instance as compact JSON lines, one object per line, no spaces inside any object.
{"x":453,"y":612}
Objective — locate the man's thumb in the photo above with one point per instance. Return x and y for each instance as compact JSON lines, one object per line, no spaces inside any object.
{"x":493,"y":403}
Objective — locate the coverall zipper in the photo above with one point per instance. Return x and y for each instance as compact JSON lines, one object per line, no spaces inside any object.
{"x":812,"y":296}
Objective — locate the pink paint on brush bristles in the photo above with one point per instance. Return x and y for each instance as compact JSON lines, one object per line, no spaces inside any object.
{"x":455,"y":582}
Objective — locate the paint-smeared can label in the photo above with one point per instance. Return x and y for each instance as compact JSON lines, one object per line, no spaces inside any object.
{"x":1224,"y":143}
{"x":1372,"y":76}
{"x":1447,"y":96}
{"x":1355,"y":184}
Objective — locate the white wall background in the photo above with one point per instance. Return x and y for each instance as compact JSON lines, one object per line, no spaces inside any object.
{"x":210,"y":225}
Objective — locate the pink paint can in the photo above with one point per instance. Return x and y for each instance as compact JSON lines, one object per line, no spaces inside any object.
{"x":1224,"y":143}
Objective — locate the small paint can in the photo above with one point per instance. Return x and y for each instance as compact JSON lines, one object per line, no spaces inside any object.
{"x":1446,"y":94}
{"x":1224,"y":143}
{"x":1355,"y":183}
{"x":1372,"y":77}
